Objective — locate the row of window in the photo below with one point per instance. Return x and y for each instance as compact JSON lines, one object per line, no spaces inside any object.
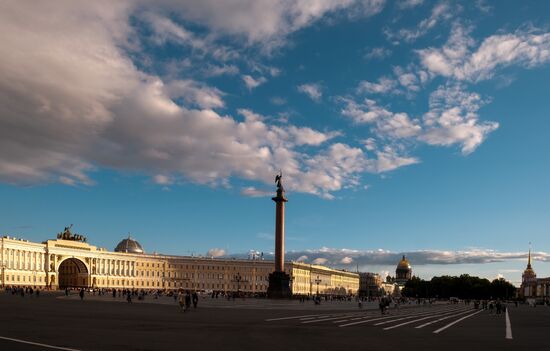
{"x":23,"y":278}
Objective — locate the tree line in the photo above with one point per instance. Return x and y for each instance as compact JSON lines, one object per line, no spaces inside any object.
{"x":463,"y":287}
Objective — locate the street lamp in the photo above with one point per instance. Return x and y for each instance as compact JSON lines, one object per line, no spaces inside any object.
{"x":237,"y":278}
{"x":318,"y":281}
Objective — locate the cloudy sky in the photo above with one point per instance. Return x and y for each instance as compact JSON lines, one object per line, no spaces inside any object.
{"x":416,"y":127}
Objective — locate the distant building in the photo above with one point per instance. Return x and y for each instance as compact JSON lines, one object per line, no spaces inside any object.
{"x":531,"y":286}
{"x":69,"y":261}
{"x":403,"y":272}
{"x":370,"y":284}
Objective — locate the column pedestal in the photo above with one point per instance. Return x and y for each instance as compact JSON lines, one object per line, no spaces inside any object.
{"x":279,"y":286}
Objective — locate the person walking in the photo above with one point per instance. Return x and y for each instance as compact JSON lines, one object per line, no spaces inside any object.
{"x":181,"y":301}
{"x":195,"y":299}
{"x":129,"y":297}
{"x":81,"y":293}
{"x":187,"y":300}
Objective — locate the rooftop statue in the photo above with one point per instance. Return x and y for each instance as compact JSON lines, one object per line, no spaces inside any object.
{"x":67,"y":235}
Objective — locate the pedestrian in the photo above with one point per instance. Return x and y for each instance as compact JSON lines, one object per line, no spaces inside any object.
{"x":187,"y":300}
{"x":195,"y":299}
{"x":181,"y":301}
{"x":37,"y":293}
{"x":491,"y":307}
{"x":129,"y":297}
{"x":81,"y":294}
{"x":498,"y":306}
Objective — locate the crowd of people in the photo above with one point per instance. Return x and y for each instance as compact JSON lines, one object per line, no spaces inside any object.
{"x":186,"y":298}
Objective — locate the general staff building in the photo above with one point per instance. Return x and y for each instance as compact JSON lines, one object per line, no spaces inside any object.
{"x":69,"y":261}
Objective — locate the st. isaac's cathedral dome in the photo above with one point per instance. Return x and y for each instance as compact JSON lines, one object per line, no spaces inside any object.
{"x":403,"y":271}
{"x":129,"y":245}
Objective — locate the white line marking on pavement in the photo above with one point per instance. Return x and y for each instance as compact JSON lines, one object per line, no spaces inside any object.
{"x":431,"y":313}
{"x":508,"y":326}
{"x":378,"y":319}
{"x":325,"y":319}
{"x":452,"y":314}
{"x":442,"y":319}
{"x":353,"y":319}
{"x":318,"y":316}
{"x":458,"y":320}
{"x":283,"y":318}
{"x":37,"y":344}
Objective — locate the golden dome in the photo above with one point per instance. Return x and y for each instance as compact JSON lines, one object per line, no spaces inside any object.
{"x":404,"y":263}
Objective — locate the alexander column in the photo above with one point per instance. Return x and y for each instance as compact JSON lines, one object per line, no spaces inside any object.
{"x":279,"y":281}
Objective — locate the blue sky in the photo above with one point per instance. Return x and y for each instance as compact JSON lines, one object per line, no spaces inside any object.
{"x":416,"y":127}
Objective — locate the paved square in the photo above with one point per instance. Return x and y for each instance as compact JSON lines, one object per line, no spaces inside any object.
{"x":105,"y":323}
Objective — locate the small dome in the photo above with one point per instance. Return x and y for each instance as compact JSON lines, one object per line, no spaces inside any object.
{"x":404,"y":264}
{"x":129,"y":245}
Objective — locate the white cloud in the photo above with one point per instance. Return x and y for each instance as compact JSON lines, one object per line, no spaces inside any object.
{"x":367,"y":112}
{"x":384,"y":85}
{"x":71,"y":101}
{"x":252,"y":83}
{"x":388,"y":159}
{"x":162,"y":179}
{"x":215,"y":252}
{"x":267,"y":21}
{"x":386,"y":123}
{"x":313,"y":90}
{"x":195,"y":93}
{"x":319,"y":260}
{"x":378,"y":53}
{"x":407,"y":4}
{"x":346,"y":260}
{"x":277,"y":100}
{"x":165,"y":30}
{"x":339,"y":257}
{"x":308,"y":136}
{"x":218,"y":70}
{"x":455,"y":59}
{"x":441,"y":11}
{"x":302,"y":258}
{"x":453,"y":119}
{"x":253,"y":192}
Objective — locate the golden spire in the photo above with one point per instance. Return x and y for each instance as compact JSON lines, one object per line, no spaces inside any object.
{"x":529,"y":259}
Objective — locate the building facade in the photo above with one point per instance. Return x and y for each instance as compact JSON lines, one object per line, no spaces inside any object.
{"x":531,"y":286}
{"x":69,"y":261}
{"x":370,"y":284}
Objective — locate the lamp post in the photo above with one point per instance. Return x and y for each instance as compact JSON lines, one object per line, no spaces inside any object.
{"x":237,"y":278}
{"x":318,"y":281}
